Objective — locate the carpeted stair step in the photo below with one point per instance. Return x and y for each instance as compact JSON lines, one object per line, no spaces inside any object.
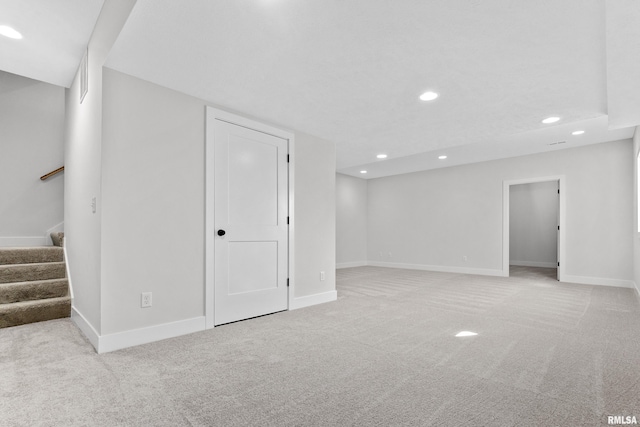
{"x":31,"y":255}
{"x":29,"y":272}
{"x":21,"y":313}
{"x":28,"y":291}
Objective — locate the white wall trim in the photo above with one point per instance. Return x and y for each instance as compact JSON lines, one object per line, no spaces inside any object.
{"x":310,"y":300}
{"x":292,"y":221}
{"x":21,"y":242}
{"x":563,"y":223}
{"x":438,"y":268}
{"x":599,"y":281}
{"x":85,"y":327}
{"x":352,"y":264}
{"x":216,"y":114}
{"x":120,"y":340}
{"x":66,"y":264}
{"x":636,"y":287}
{"x":534,"y":264}
{"x":55,"y":229}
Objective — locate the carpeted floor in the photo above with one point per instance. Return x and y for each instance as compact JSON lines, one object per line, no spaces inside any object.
{"x":384,"y":354}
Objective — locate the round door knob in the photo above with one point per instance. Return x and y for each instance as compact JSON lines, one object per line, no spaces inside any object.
{"x":221,"y":232}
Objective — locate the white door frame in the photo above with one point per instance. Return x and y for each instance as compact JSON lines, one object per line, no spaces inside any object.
{"x":216,"y":114}
{"x":506,"y":185}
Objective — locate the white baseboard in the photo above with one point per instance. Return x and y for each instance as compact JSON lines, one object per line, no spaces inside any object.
{"x":534,"y":264}
{"x":352,"y":264}
{"x":55,"y":229}
{"x":598,"y":281}
{"x":439,"y":268}
{"x":66,"y":264}
{"x":636,"y":287}
{"x":21,"y":242}
{"x":120,"y":340}
{"x":87,"y":329}
{"x":310,"y":300}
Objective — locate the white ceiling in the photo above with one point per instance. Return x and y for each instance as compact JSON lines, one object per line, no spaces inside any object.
{"x":351,"y":71}
{"x":55,"y":34}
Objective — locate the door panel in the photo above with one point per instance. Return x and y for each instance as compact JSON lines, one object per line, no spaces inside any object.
{"x":253,"y":266}
{"x":252,"y":165}
{"x":251,"y":206}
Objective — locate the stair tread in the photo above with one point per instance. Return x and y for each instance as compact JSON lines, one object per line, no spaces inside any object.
{"x":35,"y":303}
{"x":24,"y":312}
{"x":33,"y":290}
{"x":12,"y":273}
{"x":32,"y":264}
{"x":34,"y":282}
{"x":30,"y":248}
{"x":29,"y":255}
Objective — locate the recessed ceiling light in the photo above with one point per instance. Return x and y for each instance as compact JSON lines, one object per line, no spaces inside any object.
{"x":381,"y":156}
{"x":466,"y":334}
{"x":363,"y":171}
{"x":428,"y":96}
{"x":442,"y":157}
{"x":550,"y":120}
{"x":7,"y":31}
{"x":578,"y":132}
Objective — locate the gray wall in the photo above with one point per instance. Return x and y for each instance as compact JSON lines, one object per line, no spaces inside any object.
{"x":32,"y":135}
{"x":315,"y":207}
{"x":351,"y":221}
{"x":153,"y":225}
{"x":433,"y":219}
{"x":153,"y":204}
{"x":83,"y":168}
{"x":635,"y":227}
{"x":533,"y":221}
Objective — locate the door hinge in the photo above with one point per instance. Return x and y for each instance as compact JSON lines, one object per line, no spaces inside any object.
{"x":558,"y":264}
{"x":287,"y":220}
{"x":287,"y":158}
{"x":287,"y":282}
{"x":558,"y":191}
{"x":558,"y":227}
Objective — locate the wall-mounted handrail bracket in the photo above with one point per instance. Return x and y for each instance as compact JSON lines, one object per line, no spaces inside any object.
{"x":52,"y":173}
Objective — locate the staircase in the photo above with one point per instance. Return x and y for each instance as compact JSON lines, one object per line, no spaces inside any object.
{"x":33,"y":285}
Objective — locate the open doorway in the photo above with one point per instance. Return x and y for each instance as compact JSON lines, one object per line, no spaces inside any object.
{"x":533,"y":227}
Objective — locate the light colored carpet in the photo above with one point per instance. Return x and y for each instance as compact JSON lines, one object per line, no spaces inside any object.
{"x":384,"y":354}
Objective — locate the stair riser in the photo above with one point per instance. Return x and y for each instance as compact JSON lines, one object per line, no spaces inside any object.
{"x":14,"y":316}
{"x":26,"y":272}
{"x":28,"y":291}
{"x":30,"y":255}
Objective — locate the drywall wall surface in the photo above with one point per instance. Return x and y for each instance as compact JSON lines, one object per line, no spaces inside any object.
{"x":153,"y":191}
{"x":533,"y":223}
{"x":32,"y":129}
{"x":635,"y":228}
{"x":436,"y":218}
{"x":351,"y":221}
{"x":314,"y":215}
{"x":83,"y":167}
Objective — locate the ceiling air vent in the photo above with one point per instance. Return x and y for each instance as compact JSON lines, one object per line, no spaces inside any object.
{"x":557,"y":143}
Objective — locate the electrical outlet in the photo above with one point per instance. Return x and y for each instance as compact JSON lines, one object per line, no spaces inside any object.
{"x":389,"y":254}
{"x":145,"y":300}
{"x":322,"y":275}
{"x":464,"y":258}
{"x":94,"y":204}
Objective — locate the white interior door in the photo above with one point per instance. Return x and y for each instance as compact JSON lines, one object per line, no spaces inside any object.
{"x":250,"y":217}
